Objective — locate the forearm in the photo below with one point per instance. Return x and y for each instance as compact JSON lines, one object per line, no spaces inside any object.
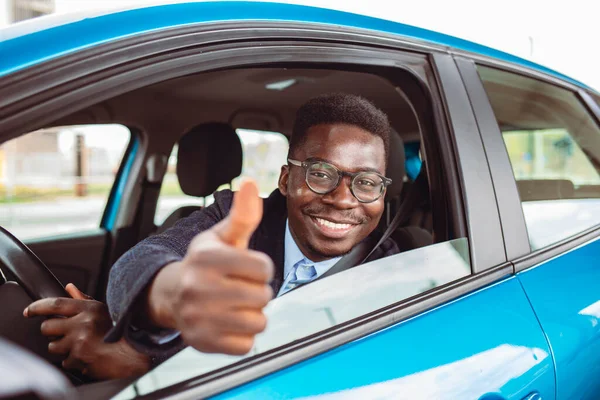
{"x":132,"y":274}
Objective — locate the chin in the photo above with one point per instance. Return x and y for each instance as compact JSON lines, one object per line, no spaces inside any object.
{"x":332,"y":251}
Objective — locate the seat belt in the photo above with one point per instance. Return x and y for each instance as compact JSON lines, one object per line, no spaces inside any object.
{"x":360,"y":253}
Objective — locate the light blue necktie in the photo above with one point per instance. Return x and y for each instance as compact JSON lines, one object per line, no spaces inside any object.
{"x":303,"y":272}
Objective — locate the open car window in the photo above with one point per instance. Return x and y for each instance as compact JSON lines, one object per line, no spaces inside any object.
{"x":333,"y":302}
{"x":554,"y":147}
{"x":326,"y":303}
{"x":57,"y":180}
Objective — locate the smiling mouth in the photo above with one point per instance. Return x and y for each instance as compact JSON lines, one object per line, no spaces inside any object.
{"x":333,"y":225}
{"x":333,"y":229}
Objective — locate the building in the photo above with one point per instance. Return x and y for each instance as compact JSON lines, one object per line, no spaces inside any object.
{"x":12,"y":11}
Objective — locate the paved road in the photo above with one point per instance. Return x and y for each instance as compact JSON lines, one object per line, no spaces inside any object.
{"x":68,"y":215}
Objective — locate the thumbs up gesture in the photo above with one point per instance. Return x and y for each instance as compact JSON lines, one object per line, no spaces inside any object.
{"x":215,"y":296}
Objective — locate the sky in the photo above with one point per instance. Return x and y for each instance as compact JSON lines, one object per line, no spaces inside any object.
{"x":561,"y":35}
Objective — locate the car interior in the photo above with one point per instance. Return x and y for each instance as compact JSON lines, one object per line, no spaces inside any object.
{"x":549,"y":110}
{"x":200,"y":113}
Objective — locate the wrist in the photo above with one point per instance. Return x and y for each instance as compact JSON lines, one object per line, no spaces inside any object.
{"x":160,"y":295}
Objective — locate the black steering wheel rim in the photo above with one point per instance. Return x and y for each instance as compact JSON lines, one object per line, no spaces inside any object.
{"x":18,"y":261}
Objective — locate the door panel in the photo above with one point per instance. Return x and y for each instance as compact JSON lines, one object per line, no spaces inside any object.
{"x":565,"y":294}
{"x":77,"y":258}
{"x":485,"y":345}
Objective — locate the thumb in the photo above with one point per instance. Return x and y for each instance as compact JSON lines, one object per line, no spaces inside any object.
{"x":76,"y":293}
{"x":244,"y":216}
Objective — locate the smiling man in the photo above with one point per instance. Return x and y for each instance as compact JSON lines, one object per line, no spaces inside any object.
{"x":205,"y":282}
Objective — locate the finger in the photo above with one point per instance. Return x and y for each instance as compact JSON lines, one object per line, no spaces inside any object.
{"x":236,"y":293}
{"x":76,"y":293}
{"x":244,"y":216}
{"x":236,"y":345}
{"x":55,"y":327}
{"x":243,"y":264}
{"x":233,"y":344}
{"x":244,"y":322}
{"x":54,"y":306}
{"x":60,"y":347}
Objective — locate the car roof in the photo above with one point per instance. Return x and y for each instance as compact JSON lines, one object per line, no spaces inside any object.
{"x":52,"y":36}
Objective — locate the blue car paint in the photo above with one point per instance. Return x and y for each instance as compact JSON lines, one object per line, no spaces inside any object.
{"x":452,"y":348}
{"x":488,"y":343}
{"x":112,"y":206}
{"x":60,"y":40}
{"x":565,"y":294}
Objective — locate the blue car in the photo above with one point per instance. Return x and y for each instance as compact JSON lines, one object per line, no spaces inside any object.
{"x":495,"y":163}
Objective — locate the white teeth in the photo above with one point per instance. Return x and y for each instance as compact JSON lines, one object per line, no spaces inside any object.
{"x":332,"y":225}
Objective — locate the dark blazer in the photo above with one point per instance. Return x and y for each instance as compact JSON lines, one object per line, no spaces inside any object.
{"x":132,"y":273}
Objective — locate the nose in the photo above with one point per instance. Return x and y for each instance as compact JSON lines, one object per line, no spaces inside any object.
{"x":341,"y":197}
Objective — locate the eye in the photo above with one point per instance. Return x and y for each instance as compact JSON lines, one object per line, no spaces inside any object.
{"x":321,"y":175}
{"x":366,"y":182}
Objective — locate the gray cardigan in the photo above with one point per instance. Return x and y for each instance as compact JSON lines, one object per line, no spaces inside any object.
{"x":133,"y":272}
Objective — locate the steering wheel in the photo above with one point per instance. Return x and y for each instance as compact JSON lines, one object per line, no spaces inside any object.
{"x":17,"y":261}
{"x":34,"y":281}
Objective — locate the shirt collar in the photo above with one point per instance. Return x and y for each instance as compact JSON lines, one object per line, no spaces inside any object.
{"x":293,"y":254}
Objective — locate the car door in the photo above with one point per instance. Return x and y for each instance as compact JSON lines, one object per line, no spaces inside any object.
{"x":482,"y":342}
{"x":545,"y":137}
{"x":448,"y":320}
{"x":59,"y":190}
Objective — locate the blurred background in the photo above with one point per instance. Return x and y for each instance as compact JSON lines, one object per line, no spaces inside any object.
{"x":66,"y":174}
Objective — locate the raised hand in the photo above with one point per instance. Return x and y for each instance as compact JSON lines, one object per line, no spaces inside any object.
{"x":215,"y":296}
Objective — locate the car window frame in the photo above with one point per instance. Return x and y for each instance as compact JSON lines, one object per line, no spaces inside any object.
{"x":108,"y":214}
{"x":455,"y":127}
{"x":518,"y":248}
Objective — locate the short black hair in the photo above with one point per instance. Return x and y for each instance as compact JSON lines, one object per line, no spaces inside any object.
{"x":340,"y":108}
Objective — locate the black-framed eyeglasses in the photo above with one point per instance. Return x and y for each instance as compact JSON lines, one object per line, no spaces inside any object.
{"x":322,"y":178}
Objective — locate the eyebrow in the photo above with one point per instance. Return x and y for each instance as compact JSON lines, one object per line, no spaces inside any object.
{"x":360,"y":169}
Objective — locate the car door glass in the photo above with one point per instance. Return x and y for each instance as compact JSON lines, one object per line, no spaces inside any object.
{"x":326,"y":303}
{"x":57,"y":180}
{"x":554,"y":147}
{"x":264,"y":153}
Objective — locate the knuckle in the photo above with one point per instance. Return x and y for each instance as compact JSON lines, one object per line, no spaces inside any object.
{"x":57,"y":303}
{"x":258,"y":323}
{"x":246,"y":346}
{"x":82,"y":344}
{"x":265,"y":264}
{"x":97,"y":306}
{"x":88,"y":321}
{"x":267,"y":294}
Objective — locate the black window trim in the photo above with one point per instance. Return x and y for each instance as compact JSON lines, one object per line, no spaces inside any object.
{"x":517,"y":69}
{"x":485,"y":238}
{"x":93,"y":84}
{"x":18,"y":88}
{"x":516,"y":239}
{"x":518,"y":249}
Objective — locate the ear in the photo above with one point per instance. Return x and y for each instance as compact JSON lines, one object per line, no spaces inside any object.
{"x":284,"y":176}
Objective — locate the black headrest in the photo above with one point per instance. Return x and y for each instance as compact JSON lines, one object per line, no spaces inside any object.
{"x":396,"y":168}
{"x":209,"y":156}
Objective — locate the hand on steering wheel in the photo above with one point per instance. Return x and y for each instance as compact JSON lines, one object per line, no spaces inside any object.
{"x":76,"y":327}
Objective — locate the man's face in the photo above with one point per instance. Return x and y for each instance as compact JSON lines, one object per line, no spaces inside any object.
{"x":350,"y":149}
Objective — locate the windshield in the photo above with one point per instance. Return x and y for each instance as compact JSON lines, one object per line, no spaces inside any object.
{"x":324,"y":304}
